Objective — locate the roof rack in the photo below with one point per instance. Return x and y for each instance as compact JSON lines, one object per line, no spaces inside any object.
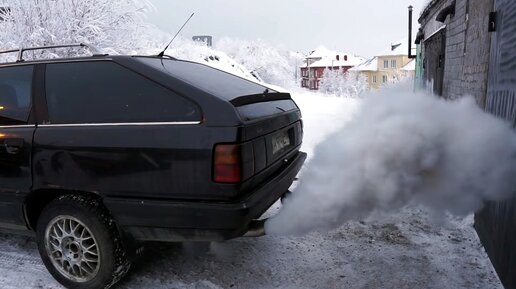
{"x":95,"y":51}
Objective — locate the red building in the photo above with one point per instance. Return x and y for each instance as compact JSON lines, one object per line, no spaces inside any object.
{"x":321,"y":59}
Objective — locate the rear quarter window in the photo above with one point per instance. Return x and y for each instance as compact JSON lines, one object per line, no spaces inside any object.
{"x":105,"y":92}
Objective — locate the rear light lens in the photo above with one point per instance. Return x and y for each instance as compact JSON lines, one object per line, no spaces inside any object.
{"x":227,"y":164}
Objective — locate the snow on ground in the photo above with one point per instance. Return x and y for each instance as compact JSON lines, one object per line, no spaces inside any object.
{"x":410,"y":249}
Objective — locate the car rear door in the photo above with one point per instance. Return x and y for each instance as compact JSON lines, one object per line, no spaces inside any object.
{"x":16,"y":132}
{"x":115,"y":132}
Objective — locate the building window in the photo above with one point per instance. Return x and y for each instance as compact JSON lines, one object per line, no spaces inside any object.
{"x":384,"y":78}
{"x":393,"y":63}
{"x":374,"y":79}
{"x":386,"y":64}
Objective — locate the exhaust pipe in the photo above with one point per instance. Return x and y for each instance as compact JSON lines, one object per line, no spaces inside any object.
{"x":256,"y":229}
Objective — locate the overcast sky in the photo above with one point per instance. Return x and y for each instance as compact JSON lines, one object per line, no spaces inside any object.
{"x":363,"y":27}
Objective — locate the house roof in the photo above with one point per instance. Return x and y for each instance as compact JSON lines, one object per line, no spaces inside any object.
{"x":331,"y":61}
{"x":321,"y":52}
{"x":396,"y":48}
{"x":369,"y":65}
{"x":325,"y":57}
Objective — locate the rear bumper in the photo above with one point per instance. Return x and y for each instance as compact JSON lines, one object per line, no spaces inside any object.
{"x":158,"y":220}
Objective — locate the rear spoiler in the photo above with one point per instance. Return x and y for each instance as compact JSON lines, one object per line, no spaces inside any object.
{"x":262,"y":97}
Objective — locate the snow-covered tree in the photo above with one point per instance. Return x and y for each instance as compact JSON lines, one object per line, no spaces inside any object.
{"x":349,"y":84}
{"x":121,"y":27}
{"x":116,"y":26}
{"x":273,"y":64}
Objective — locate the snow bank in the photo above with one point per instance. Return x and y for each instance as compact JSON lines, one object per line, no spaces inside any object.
{"x":400,"y":149}
{"x":322,"y":116}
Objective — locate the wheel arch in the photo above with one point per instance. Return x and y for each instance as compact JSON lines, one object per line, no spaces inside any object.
{"x":36,"y":201}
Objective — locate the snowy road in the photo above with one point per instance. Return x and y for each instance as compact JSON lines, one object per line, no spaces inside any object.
{"x":404,"y":250}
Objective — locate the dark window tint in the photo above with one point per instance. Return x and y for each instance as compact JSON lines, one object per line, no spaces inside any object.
{"x":216,"y":82}
{"x":105,"y":92}
{"x":15,"y":94}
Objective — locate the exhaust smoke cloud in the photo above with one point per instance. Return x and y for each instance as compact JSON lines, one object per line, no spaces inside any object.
{"x":400,"y":149}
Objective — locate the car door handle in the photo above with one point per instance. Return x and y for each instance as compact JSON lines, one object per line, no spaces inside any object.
{"x":13,"y":146}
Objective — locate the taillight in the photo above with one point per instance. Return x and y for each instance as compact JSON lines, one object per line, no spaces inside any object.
{"x":227,"y":164}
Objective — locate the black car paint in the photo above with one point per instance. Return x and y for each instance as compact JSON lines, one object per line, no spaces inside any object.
{"x":135,"y":167}
{"x":15,"y":174}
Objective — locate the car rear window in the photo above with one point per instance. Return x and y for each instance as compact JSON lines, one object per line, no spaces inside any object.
{"x":259,"y":110}
{"x":216,"y":82}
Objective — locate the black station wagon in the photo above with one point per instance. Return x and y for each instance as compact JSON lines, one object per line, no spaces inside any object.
{"x":102,"y":153}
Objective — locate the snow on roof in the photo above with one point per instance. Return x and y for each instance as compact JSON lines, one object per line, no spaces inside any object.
{"x":369,"y":65}
{"x":321,"y":52}
{"x":344,"y":60}
{"x":411,"y":66}
{"x":396,"y":48}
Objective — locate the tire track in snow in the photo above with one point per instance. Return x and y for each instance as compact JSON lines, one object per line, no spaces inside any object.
{"x":15,"y":260}
{"x":21,"y":266}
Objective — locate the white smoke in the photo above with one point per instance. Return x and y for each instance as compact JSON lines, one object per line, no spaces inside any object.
{"x":400,"y":149}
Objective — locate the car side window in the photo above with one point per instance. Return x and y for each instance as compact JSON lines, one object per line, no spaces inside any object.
{"x":15,"y":94}
{"x":105,"y":92}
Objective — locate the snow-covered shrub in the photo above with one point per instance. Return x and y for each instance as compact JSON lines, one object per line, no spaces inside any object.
{"x":349,"y":84}
{"x":273,"y":64}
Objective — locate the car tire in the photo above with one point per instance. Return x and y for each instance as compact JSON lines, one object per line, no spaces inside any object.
{"x":79,"y":243}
